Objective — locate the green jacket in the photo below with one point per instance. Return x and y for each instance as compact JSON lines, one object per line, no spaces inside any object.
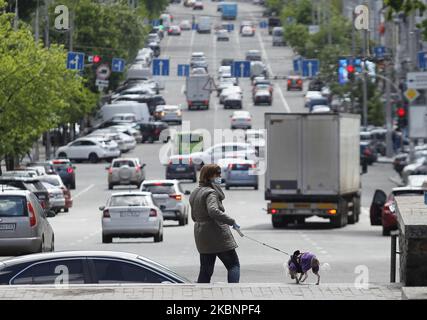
{"x":212,"y":226}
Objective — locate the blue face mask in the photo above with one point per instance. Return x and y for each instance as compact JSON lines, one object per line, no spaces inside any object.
{"x":217,"y":180}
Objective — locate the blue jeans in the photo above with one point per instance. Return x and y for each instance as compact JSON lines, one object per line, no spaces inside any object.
{"x":228,"y":258}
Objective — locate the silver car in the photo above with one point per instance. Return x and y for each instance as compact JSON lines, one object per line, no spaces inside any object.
{"x":171,"y":114}
{"x":241,"y":174}
{"x":169,"y":195}
{"x":24,"y":227}
{"x":56,"y":196}
{"x":131,"y":215}
{"x":125,"y":171}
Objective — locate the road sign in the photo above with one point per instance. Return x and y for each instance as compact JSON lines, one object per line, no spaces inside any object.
{"x":118,"y":65}
{"x":422,"y":60}
{"x":194,"y":26}
{"x":417,"y":122}
{"x":411,"y":94}
{"x":160,"y":67}
{"x":155,"y":23}
{"x":297,"y":65}
{"x":342,"y":71}
{"x":102,"y":83}
{"x":103,"y":72}
{"x":416,"y":80}
{"x":241,"y":69}
{"x":379,"y":51}
{"x":313,"y":29}
{"x":183,"y":70}
{"x":230,"y":27}
{"x":75,"y":60}
{"x":263,"y":24}
{"x":310,"y":67}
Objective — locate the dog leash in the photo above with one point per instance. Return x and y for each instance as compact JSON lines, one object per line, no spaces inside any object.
{"x":262,"y":243}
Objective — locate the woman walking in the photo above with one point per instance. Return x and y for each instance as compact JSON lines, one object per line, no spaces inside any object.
{"x":212,"y":226}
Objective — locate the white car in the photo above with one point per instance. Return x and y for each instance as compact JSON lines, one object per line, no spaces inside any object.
{"x":229,"y":90}
{"x":41,"y":171}
{"x":106,"y":134}
{"x":129,"y":130}
{"x":248,"y":31}
{"x":312,"y":94}
{"x":171,"y":113}
{"x":131,"y":215}
{"x":320,"y":109}
{"x":222,"y":35}
{"x":224,"y":164}
{"x":89,"y":148}
{"x":224,"y":150}
{"x":241,"y":120}
{"x":224,"y":72}
{"x":185,"y":25}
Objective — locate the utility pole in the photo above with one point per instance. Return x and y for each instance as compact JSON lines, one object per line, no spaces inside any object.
{"x":388,"y":113}
{"x":37,"y":38}
{"x":16,"y":18}
{"x":47,"y":45}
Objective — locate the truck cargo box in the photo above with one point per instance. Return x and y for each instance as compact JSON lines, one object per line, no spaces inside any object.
{"x":311,"y":155}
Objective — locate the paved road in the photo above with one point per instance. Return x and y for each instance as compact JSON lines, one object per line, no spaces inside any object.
{"x":343,"y":249}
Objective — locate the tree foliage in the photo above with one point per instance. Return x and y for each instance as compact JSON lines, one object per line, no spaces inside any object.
{"x":37,"y":92}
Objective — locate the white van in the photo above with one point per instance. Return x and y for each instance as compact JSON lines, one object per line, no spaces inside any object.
{"x":140,"y":110}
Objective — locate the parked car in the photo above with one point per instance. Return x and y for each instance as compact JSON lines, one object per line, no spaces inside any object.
{"x":40,"y":170}
{"x":88,"y":148}
{"x":198,"y":5}
{"x":321,"y":109}
{"x":383,"y":208}
{"x":295,"y":83}
{"x":24,"y":227}
{"x":66,"y":171}
{"x":131,"y":215}
{"x":169,"y":195}
{"x":86,"y":267}
{"x":154,"y":131}
{"x":181,"y":168}
{"x":56,"y":181}
{"x":241,"y":174}
{"x":31,"y":184}
{"x":125,"y":171}
{"x":48,"y":166}
{"x":108,"y":136}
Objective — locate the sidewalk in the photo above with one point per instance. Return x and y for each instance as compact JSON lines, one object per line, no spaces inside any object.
{"x":217,"y":291}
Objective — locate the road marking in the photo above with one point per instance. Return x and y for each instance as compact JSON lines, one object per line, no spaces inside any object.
{"x":270,"y":71}
{"x":83,"y":191}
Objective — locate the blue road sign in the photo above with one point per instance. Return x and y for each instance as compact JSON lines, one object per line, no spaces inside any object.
{"x":75,"y":60}
{"x":379,"y":52}
{"x":183,"y":70}
{"x":241,"y":69}
{"x":118,"y":65}
{"x":263,"y":24}
{"x":422,"y":60}
{"x":230,"y":27}
{"x":155,"y":23}
{"x":310,"y":67}
{"x":160,"y":67}
{"x":297,"y":65}
{"x":194,"y":26}
{"x":342,"y":71}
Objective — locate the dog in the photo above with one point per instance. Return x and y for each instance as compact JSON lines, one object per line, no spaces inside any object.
{"x":301,"y":263}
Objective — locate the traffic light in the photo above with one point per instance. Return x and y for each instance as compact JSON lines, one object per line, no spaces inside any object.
{"x":350,"y":71}
{"x":94,"y":59}
{"x":402,"y":120}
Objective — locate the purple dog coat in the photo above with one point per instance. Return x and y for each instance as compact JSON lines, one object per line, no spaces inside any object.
{"x":305,"y":261}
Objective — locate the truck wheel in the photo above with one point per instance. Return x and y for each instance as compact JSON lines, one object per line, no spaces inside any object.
{"x":276,"y":221}
{"x":107,"y":239}
{"x":354,"y":217}
{"x":341,"y":219}
{"x":386,"y":231}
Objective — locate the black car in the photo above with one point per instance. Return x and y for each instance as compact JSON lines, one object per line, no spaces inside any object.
{"x":153,"y":131}
{"x":31,"y":184}
{"x":66,"y":170}
{"x":181,"y":169}
{"x":85,"y":267}
{"x":154,"y":101}
{"x":316,"y":85}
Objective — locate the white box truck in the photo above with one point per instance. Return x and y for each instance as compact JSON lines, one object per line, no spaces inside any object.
{"x":198,"y":91}
{"x":140,"y":110}
{"x":313,"y":167}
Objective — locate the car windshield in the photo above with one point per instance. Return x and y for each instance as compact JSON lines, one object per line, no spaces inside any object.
{"x":12,"y":206}
{"x":121,"y":163}
{"x":159,"y":188}
{"x":52,"y":181}
{"x":129,"y":201}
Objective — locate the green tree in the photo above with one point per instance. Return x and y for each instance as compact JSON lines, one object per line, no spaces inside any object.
{"x":37,"y":92}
